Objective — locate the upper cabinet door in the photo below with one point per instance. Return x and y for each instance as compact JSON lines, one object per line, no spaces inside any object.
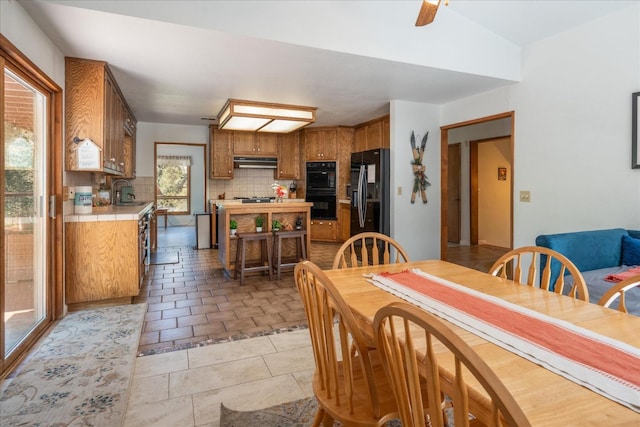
{"x":267,"y":144}
{"x":221,"y":152}
{"x":320,"y":144}
{"x":255,"y":144}
{"x":244,"y":143}
{"x":372,"y":135}
{"x":288,"y":156}
{"x":95,"y":109}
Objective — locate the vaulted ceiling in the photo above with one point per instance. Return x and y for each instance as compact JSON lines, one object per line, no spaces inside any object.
{"x":179,"y":61}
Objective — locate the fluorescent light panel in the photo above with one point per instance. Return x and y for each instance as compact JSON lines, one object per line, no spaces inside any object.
{"x":264,"y":117}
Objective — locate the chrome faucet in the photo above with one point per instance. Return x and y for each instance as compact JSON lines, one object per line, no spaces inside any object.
{"x":114,"y":199}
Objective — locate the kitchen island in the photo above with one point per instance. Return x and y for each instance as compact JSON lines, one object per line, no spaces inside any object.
{"x":245,"y":214}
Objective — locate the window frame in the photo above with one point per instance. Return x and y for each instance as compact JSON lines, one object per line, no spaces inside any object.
{"x":160,"y":196}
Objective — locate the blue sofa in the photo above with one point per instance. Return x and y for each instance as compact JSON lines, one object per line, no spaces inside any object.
{"x":596,"y":253}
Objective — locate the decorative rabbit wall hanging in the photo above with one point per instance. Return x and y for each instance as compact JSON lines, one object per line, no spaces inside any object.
{"x":420,"y":182}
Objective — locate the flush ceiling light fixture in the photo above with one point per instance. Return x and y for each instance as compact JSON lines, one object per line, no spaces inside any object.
{"x":428,"y":12}
{"x":264,"y":116}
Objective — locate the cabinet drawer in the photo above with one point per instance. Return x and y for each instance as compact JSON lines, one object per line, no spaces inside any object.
{"x":323,"y":230}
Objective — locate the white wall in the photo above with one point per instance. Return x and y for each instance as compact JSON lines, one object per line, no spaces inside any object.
{"x":415,"y":226}
{"x":18,"y":27}
{"x":150,"y":133}
{"x":572,"y":128}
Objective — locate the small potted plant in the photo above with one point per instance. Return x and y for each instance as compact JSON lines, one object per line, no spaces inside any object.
{"x":259,"y":223}
{"x":233,"y":225}
{"x":275,"y":225}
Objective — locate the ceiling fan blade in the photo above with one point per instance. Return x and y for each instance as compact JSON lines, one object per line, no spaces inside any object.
{"x":427,"y":12}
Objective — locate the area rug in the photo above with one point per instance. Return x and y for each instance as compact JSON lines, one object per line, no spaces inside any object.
{"x":158,"y":258}
{"x":299,"y":413}
{"x":80,"y":373}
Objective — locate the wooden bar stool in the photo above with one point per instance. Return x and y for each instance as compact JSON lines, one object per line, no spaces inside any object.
{"x":241,"y":253}
{"x":301,"y":248}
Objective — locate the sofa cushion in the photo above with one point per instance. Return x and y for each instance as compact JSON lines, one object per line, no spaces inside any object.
{"x":588,"y":250}
{"x":630,"y":251}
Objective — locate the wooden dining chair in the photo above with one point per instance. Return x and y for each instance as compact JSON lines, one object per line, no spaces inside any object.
{"x":513,"y":264}
{"x":353,"y":389}
{"x":369,"y":248}
{"x":409,"y":340}
{"x":618,"y":291}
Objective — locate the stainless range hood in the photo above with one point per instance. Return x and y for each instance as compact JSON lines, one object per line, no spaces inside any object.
{"x":255,"y":162}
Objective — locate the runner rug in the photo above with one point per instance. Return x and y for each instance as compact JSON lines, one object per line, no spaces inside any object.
{"x":602,"y":364}
{"x":80,"y":373}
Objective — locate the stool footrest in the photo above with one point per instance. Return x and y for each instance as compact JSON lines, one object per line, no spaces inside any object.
{"x":300,"y":244}
{"x":241,"y":250}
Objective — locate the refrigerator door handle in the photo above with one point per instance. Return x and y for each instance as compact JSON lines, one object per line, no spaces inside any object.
{"x":362,"y":195}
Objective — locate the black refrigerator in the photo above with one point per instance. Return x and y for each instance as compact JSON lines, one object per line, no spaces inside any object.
{"x":369,"y":191}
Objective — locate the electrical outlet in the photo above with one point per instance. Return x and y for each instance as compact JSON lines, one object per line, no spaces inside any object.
{"x":525,"y":196}
{"x":400,"y":191}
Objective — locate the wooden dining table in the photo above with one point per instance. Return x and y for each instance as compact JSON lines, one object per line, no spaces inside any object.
{"x":547,"y":398}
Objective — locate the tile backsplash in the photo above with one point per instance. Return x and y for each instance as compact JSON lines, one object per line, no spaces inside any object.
{"x":245,"y":183}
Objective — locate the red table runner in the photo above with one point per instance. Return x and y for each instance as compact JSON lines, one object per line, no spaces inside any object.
{"x":604,"y":365}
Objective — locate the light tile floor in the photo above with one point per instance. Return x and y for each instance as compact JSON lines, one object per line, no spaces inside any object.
{"x":186,"y":387}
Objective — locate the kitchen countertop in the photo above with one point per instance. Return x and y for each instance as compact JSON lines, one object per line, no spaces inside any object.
{"x":112,"y":213}
{"x":226,"y":202}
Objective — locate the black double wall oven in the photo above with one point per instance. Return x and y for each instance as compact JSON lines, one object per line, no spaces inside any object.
{"x":321,"y":189}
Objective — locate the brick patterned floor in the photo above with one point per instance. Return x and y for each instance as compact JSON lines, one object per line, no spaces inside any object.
{"x":193,"y":302}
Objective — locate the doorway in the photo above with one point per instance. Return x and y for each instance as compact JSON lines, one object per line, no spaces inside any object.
{"x":487,"y":128}
{"x":181,"y":188}
{"x":31,"y":294}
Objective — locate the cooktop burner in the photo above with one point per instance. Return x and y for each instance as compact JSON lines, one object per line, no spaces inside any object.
{"x":255,"y":199}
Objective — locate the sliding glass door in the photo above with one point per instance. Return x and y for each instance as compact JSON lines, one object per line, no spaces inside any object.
{"x":24,"y":196}
{"x":30,"y":233}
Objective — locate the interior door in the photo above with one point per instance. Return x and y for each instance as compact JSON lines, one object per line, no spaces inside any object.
{"x":454,"y":197}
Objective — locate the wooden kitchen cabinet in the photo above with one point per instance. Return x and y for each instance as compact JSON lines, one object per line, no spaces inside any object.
{"x":323,"y":230}
{"x":102,"y":261}
{"x":96,"y":109}
{"x":344,"y":221}
{"x":371,"y":135}
{"x":267,"y":144}
{"x":221,"y":152}
{"x":255,"y":144}
{"x":320,"y":144}
{"x":129,"y":146}
{"x":288,"y":156}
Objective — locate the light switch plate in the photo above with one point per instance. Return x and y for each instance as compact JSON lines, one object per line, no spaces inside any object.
{"x":525,"y":196}
{"x":400,"y":191}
